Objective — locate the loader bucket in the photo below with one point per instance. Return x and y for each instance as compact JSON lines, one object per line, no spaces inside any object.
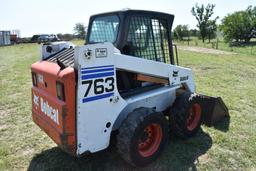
{"x":214,"y":110}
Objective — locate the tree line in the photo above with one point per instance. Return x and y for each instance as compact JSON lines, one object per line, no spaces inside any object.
{"x":80,"y":31}
{"x":239,"y":26}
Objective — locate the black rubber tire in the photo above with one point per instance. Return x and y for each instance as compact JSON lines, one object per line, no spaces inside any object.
{"x":180,"y":112}
{"x":131,"y":130}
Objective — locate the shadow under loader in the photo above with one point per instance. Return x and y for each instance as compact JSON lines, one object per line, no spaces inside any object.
{"x":179,"y":154}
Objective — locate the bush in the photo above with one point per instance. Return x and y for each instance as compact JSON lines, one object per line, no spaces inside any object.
{"x":240,"y":25}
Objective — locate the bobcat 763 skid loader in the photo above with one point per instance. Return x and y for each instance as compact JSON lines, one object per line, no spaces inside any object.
{"x":124,"y":82}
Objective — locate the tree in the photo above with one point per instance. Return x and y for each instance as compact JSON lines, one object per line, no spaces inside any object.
{"x":194,"y":32}
{"x":203,"y":15}
{"x":180,"y":32}
{"x":79,"y":30}
{"x":211,"y":29}
{"x":66,"y":37}
{"x":240,"y":25}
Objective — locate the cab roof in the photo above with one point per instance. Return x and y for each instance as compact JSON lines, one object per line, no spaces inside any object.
{"x":130,"y":12}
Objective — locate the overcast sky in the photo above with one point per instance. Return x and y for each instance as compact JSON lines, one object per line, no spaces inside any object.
{"x":59,"y":16}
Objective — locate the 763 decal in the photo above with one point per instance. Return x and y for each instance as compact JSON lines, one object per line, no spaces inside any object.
{"x":99,"y":86}
{"x":98,"y":82}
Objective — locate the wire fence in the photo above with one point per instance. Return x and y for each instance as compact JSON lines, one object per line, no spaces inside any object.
{"x":249,"y":48}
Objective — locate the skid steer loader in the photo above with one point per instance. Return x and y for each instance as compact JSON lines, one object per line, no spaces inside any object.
{"x":124,"y":82}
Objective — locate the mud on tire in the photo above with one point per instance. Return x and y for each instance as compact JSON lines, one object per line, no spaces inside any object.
{"x":142,"y":136}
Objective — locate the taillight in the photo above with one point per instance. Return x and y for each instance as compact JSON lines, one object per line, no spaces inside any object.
{"x":60,"y":91}
{"x":34,"y":79}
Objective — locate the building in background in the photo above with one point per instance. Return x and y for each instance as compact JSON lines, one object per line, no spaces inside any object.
{"x":5,"y":38}
{"x":9,"y":37}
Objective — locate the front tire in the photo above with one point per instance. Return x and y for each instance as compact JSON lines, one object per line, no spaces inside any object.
{"x":142,"y":136}
{"x":186,"y":115}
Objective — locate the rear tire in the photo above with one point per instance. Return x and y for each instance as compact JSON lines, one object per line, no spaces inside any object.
{"x":186,"y":115}
{"x":142,"y":136}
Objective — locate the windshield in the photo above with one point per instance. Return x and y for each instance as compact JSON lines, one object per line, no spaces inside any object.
{"x":104,"y":29}
{"x":44,"y":36}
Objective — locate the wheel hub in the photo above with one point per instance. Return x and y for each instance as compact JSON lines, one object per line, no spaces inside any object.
{"x":150,"y":140}
{"x":194,"y":116}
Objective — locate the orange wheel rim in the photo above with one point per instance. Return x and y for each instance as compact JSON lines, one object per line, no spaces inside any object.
{"x":194,"y":116}
{"x":150,"y":140}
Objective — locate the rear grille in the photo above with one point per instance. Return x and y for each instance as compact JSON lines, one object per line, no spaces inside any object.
{"x":66,"y":56}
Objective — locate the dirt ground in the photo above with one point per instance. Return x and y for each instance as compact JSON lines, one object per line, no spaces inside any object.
{"x":205,"y":50}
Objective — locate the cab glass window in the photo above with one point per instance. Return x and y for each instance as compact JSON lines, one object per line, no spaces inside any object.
{"x":104,"y":29}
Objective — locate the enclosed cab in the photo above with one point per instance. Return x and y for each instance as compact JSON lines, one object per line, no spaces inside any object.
{"x":142,"y":34}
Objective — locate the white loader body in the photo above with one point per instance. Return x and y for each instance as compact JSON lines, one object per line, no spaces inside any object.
{"x":100,"y":107}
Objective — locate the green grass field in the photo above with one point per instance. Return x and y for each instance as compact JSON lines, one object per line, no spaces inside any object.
{"x":231,"y":145}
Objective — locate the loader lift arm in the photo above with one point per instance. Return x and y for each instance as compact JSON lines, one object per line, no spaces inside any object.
{"x":158,"y":71}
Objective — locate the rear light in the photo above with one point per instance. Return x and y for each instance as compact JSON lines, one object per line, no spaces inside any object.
{"x":60,"y":91}
{"x":34,"y":79}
